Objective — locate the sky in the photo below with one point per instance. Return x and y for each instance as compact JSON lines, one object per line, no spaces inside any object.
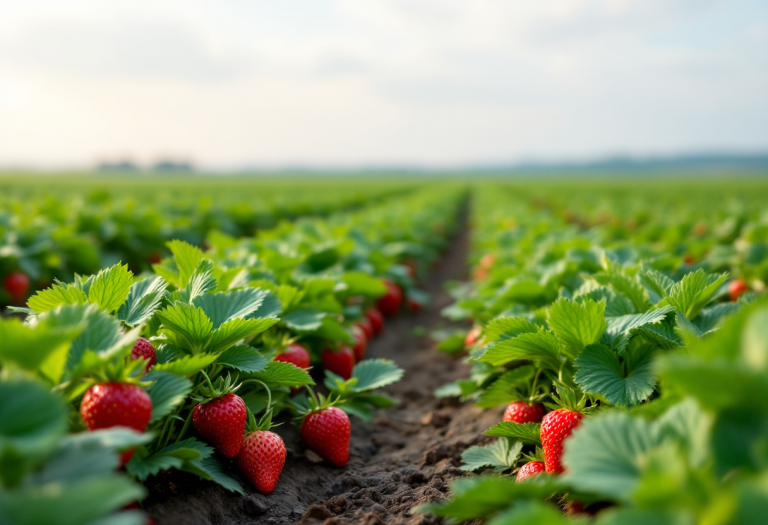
{"x":229,"y":84}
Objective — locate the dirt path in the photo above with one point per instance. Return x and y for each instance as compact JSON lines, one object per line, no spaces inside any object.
{"x":405,"y":457}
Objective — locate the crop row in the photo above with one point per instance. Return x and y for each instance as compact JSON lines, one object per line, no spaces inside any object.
{"x":187,"y":367}
{"x":634,"y":373}
{"x":47,"y":232}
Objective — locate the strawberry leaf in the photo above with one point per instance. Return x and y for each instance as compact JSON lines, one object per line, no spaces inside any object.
{"x":190,"y":327}
{"x":231,"y":332}
{"x":507,"y":327}
{"x":57,"y":295}
{"x":172,"y":456}
{"x":505,"y":389}
{"x":110,"y":288}
{"x":577,"y":325}
{"x":166,"y":392}
{"x":600,"y":372}
{"x":694,"y":292}
{"x":606,"y":455}
{"x":144,"y":298}
{"x":244,"y":358}
{"x":375,"y":373}
{"x":209,"y":468}
{"x":541,"y":346}
{"x":226,"y":306}
{"x":502,"y":455}
{"x":187,"y":365}
{"x":278,"y":373}
{"x":187,"y":257}
{"x":304,"y":320}
{"x":621,"y":329}
{"x":528,"y":433}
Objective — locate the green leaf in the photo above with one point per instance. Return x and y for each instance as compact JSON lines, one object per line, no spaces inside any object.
{"x":615,"y":303}
{"x":231,"y":332}
{"x":200,"y":283}
{"x":187,"y":257}
{"x":304,"y":320}
{"x":507,"y":327}
{"x":606,"y":454}
{"x":577,"y":325}
{"x":694,"y":292}
{"x":505,"y":389}
{"x":102,"y":335}
{"x":167,"y":392}
{"x":621,"y":328}
{"x":43,"y":346}
{"x":172,"y":456}
{"x":190,"y":325}
{"x":656,"y":283}
{"x":452,"y":343}
{"x":32,"y":420}
{"x":226,"y":306}
{"x":144,"y":298}
{"x":209,"y":468}
{"x":69,"y":504}
{"x":110,"y":288}
{"x":283,"y":374}
{"x":541,"y":346}
{"x":359,"y":283}
{"x":187,"y":365}
{"x":57,"y":295}
{"x":244,"y":358}
{"x":375,"y":373}
{"x":528,"y":433}
{"x":626,"y":286}
{"x":501,"y":455}
{"x":535,"y":513}
{"x":600,"y":372}
{"x":483,"y":496}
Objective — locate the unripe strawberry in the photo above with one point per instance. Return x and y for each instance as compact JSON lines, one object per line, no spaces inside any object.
{"x":376,"y":319}
{"x":556,"y":427}
{"x":736,"y":289}
{"x":261,"y":459}
{"x":522,"y":412}
{"x":472,"y":336}
{"x":143,"y":349}
{"x":327,"y":432}
{"x":529,"y":470}
{"x":221,"y":422}
{"x":389,"y":304}
{"x":340,"y":362}
{"x":295,"y":354}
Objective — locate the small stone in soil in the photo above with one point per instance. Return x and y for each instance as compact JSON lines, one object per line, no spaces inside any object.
{"x":253,"y":506}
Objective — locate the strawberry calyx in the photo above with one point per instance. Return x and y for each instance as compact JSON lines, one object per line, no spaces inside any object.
{"x":314,"y":402}
{"x":128,"y":371}
{"x":222,"y":387}
{"x":537,"y":455}
{"x":567,"y":398}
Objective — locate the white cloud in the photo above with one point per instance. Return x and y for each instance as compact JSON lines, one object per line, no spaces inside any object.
{"x":349,"y":82}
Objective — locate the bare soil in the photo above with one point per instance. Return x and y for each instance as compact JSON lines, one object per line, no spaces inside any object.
{"x":405,"y":457}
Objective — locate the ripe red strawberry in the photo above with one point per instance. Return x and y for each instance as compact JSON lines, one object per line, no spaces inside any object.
{"x":143,"y":349}
{"x":262,"y":459}
{"x":113,"y":404}
{"x":340,"y":362}
{"x":17,"y":285}
{"x":367,"y":327}
{"x":221,"y":422}
{"x":360,"y":343}
{"x":377,"y":320}
{"x":522,"y":412}
{"x":556,"y":427}
{"x":295,"y":354}
{"x":529,"y":470}
{"x":327,"y":432}
{"x":689,"y":260}
{"x":737,"y":288}
{"x":472,"y":336}
{"x":389,"y":303}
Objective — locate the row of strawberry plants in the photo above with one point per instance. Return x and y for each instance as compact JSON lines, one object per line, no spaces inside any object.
{"x":45,"y":236}
{"x":187,"y":367}
{"x":632,"y":382}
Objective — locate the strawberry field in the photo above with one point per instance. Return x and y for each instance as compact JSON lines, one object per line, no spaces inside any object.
{"x":256,"y":351}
